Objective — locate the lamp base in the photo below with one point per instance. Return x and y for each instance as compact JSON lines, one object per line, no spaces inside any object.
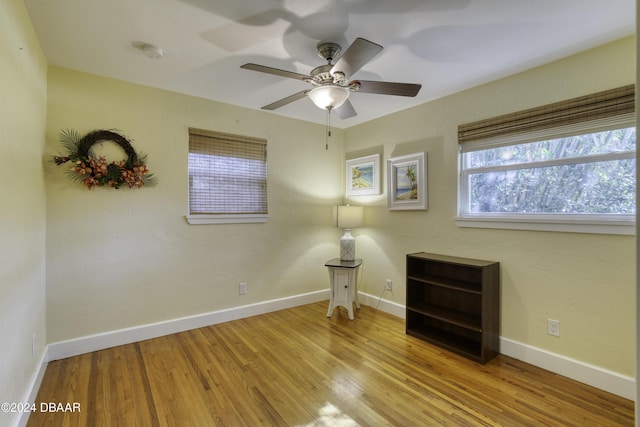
{"x":347,"y":246}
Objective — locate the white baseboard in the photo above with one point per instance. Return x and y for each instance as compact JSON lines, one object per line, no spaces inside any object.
{"x":77,"y":346}
{"x":604,"y":379}
{"x":387,"y":306}
{"x":32,"y":389}
{"x":87,"y":344}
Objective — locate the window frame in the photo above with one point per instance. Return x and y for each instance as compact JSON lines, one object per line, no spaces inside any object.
{"x":581,"y":223}
{"x":226,"y":218}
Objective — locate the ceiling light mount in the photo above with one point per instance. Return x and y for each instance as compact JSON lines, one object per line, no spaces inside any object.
{"x":329,"y":51}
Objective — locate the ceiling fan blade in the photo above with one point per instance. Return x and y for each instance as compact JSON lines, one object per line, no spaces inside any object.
{"x":274,"y":71}
{"x":284,"y":101}
{"x":356,"y":56}
{"x":388,"y":88}
{"x":346,"y":110}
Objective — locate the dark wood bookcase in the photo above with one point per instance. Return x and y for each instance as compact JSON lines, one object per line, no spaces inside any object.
{"x":454,"y":303}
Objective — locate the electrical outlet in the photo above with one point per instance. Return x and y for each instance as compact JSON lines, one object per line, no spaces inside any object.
{"x":553,"y":327}
{"x":243,"y":288}
{"x":388,"y":285}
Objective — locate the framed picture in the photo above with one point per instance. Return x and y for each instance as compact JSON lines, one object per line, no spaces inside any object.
{"x":407,"y":182}
{"x":363,"y":176}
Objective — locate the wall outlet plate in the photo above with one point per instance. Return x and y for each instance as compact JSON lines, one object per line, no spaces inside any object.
{"x":553,"y":327}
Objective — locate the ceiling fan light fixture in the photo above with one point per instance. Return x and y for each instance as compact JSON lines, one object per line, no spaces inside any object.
{"x":329,"y":97}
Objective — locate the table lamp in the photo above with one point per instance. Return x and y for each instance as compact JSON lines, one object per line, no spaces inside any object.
{"x":349,"y":217}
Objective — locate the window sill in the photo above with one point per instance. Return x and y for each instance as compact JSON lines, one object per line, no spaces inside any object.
{"x":557,"y":223}
{"x":226,"y":219}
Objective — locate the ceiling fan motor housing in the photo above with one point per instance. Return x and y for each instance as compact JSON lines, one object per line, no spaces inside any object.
{"x":322,"y":75}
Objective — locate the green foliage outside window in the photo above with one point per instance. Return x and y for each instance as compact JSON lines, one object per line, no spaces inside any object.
{"x":584,"y":174}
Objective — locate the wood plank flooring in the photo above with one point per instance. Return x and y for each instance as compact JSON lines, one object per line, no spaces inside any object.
{"x":297,"y":367}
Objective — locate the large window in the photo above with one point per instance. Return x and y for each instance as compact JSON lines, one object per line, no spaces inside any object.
{"x":227,"y":178}
{"x":570,"y":171}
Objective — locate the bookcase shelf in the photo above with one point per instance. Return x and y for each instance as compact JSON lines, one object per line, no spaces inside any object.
{"x":454,"y":303}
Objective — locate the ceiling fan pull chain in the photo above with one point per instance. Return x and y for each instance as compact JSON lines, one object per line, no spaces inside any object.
{"x":328,"y":135}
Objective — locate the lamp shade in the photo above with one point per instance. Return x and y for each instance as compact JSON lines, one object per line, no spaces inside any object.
{"x":350,"y":216}
{"x":329,"y":97}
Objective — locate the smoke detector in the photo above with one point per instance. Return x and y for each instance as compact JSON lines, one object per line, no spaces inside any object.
{"x":149,"y":50}
{"x":153,"y":52}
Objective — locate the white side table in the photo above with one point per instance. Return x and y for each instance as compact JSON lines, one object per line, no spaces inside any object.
{"x":344,"y":279}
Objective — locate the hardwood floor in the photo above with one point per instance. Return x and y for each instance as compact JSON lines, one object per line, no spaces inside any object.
{"x":297,"y":367}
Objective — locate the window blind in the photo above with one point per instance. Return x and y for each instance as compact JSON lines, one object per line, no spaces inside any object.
{"x":227,"y":173}
{"x":600,"y":108}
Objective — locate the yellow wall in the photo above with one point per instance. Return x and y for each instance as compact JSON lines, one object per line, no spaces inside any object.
{"x":22,"y":206}
{"x":584,"y":280}
{"x":123,"y":258}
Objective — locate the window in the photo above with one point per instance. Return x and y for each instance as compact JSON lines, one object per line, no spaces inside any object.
{"x":568,"y":166}
{"x":227,"y":178}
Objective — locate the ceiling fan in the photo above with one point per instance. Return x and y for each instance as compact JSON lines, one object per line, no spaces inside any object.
{"x":331,"y":81}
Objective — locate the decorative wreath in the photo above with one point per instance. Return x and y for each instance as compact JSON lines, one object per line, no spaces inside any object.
{"x":94,"y":171}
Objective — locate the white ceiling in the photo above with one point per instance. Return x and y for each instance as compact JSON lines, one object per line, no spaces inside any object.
{"x":445,"y":45}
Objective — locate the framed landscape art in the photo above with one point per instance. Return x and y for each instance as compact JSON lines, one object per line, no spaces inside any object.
{"x":407,"y":182}
{"x":363,"y":176}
